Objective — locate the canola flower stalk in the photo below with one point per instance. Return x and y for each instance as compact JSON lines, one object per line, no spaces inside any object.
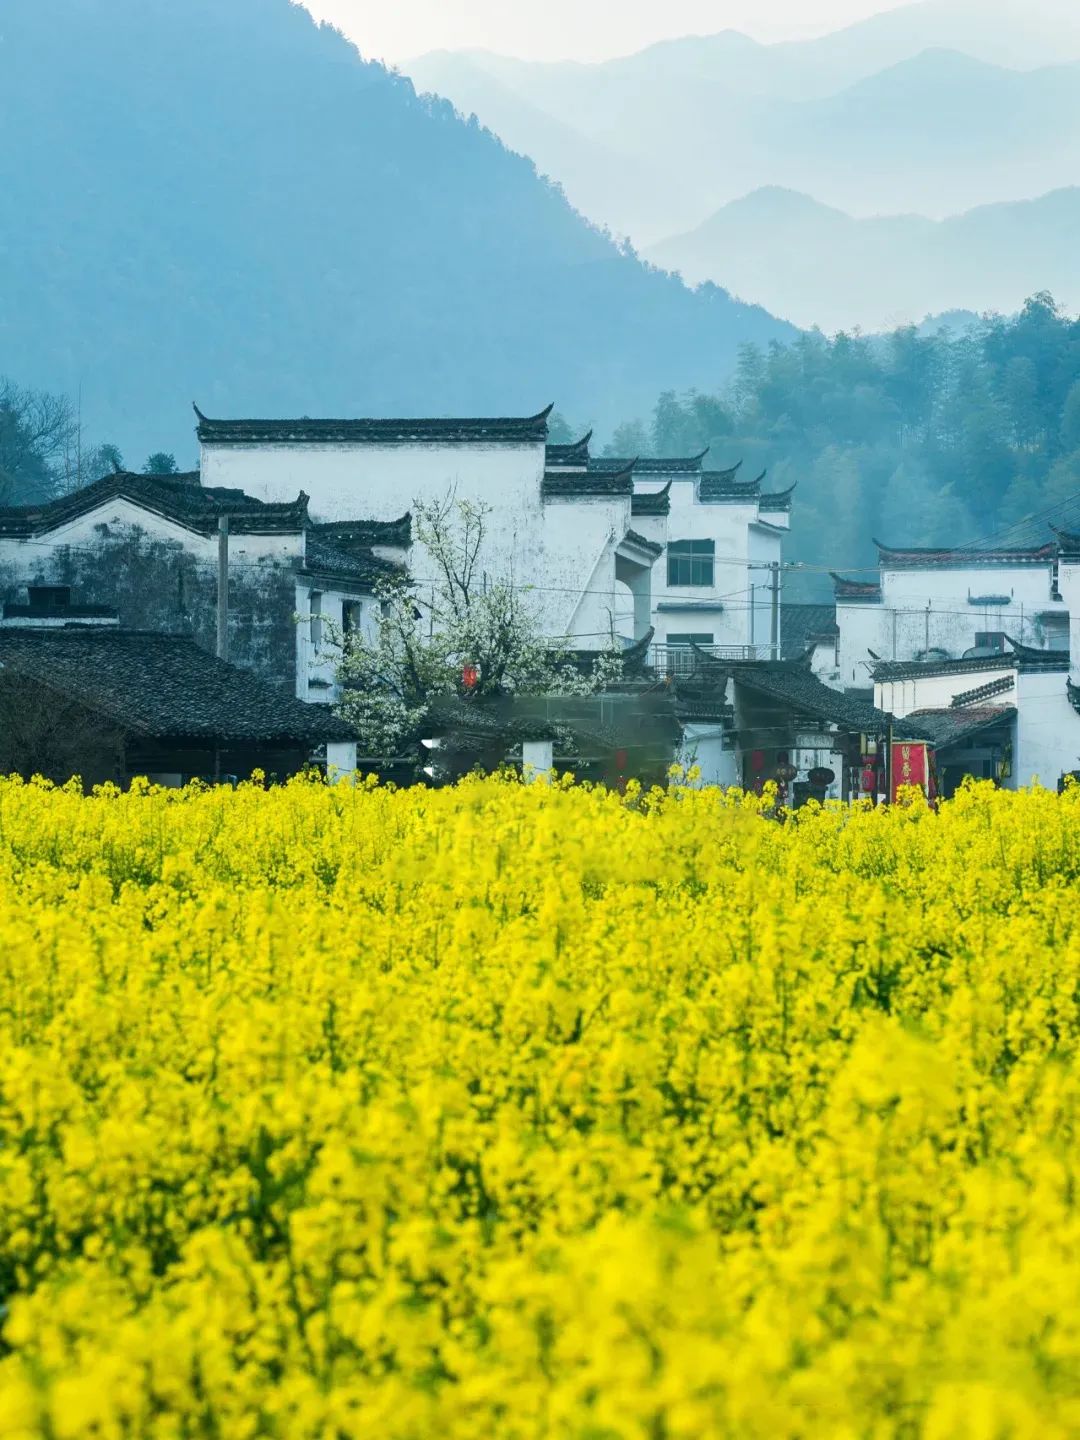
{"x":537,"y":1111}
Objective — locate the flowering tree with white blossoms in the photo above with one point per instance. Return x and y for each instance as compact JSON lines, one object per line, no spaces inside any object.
{"x":463,"y":636}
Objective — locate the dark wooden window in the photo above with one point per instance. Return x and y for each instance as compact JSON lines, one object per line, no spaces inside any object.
{"x":690,"y":562}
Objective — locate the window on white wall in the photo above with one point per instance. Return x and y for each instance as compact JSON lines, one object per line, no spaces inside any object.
{"x":691,"y":637}
{"x":315,"y":610}
{"x":351,"y":615}
{"x":690,"y":562}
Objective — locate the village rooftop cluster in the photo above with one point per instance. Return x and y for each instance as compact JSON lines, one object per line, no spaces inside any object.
{"x":166,"y":608}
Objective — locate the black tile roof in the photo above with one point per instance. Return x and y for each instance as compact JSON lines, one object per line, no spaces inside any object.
{"x":157,"y":686}
{"x":173,"y":497}
{"x":503,"y":430}
{"x":390,"y":534}
{"x":575,"y":455}
{"x":779,"y":501}
{"x":571,"y":485}
{"x":804,"y":625}
{"x":912,"y":669}
{"x":910,"y":558}
{"x":653,"y":464}
{"x":945,"y":728}
{"x":1001,"y":686}
{"x":652,"y":502}
{"x":1030,"y":657}
{"x":787,"y":682}
{"x":633,"y":538}
{"x":724,"y":486}
{"x":845,"y":589}
{"x":355,"y":567}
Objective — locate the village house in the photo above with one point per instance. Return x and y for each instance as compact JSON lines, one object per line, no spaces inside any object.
{"x":295,"y":523}
{"x":108,"y":704}
{"x":152,"y":549}
{"x":607,"y":546}
{"x":942,"y":604}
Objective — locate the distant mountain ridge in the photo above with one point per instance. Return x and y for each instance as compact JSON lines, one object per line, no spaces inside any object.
{"x":924,"y":108}
{"x":815,"y":264}
{"x":223,"y":200}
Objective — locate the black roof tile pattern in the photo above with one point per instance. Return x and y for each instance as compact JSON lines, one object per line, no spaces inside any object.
{"x":355,"y":567}
{"x":910,"y":558}
{"x":945,"y":728}
{"x":652,"y":502}
{"x":573,"y":485}
{"x":389,"y":534}
{"x":173,"y":497}
{"x":845,"y":589}
{"x":912,"y":669}
{"x":791,"y":683}
{"x":779,"y":501}
{"x":653,"y":464}
{"x":979,"y":693}
{"x":156,"y":686}
{"x":718,"y":487}
{"x":802,"y":626}
{"x":633,"y":538}
{"x":575,"y":455}
{"x":1030,"y":658}
{"x":504,"y":430}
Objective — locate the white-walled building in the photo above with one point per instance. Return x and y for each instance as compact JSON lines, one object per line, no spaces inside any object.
{"x":720,"y":585}
{"x":1009,"y":717}
{"x":564,"y":532}
{"x":146,"y":550}
{"x":605,"y":545}
{"x":942,"y":604}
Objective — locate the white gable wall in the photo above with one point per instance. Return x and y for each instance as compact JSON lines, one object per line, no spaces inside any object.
{"x":901,"y":696}
{"x":728,"y":526}
{"x":562,"y":551}
{"x":1047,"y":730}
{"x":931,"y":608}
{"x":862,"y":628}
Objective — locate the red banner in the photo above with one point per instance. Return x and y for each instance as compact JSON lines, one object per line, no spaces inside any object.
{"x":910,"y":765}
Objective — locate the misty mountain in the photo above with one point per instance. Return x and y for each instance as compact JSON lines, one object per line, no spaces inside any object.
{"x":223,"y":201}
{"x":913,"y":109}
{"x":815,"y":264}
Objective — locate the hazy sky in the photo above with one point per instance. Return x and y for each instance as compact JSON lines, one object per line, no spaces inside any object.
{"x":395,"y":30}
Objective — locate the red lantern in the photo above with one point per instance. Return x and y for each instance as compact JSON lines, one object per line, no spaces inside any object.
{"x":470,"y":677}
{"x":757,"y":761}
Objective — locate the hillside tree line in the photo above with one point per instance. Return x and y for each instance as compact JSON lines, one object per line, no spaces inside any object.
{"x":915,"y":438}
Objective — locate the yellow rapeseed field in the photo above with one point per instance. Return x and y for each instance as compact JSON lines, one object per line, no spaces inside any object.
{"x":511,"y":1111}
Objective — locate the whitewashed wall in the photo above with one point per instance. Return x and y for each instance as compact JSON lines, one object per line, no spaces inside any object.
{"x":120,"y":519}
{"x":562,"y":551}
{"x":932,"y":607}
{"x":317,"y":658}
{"x":728,"y":526}
{"x":901,"y":696}
{"x":1047,"y":731}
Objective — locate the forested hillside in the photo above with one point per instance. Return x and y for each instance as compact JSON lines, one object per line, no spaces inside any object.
{"x":217,"y":199}
{"x":914,"y":439}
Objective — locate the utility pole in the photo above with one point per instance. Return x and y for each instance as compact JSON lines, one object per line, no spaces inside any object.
{"x":223,"y":588}
{"x":774,"y":637}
